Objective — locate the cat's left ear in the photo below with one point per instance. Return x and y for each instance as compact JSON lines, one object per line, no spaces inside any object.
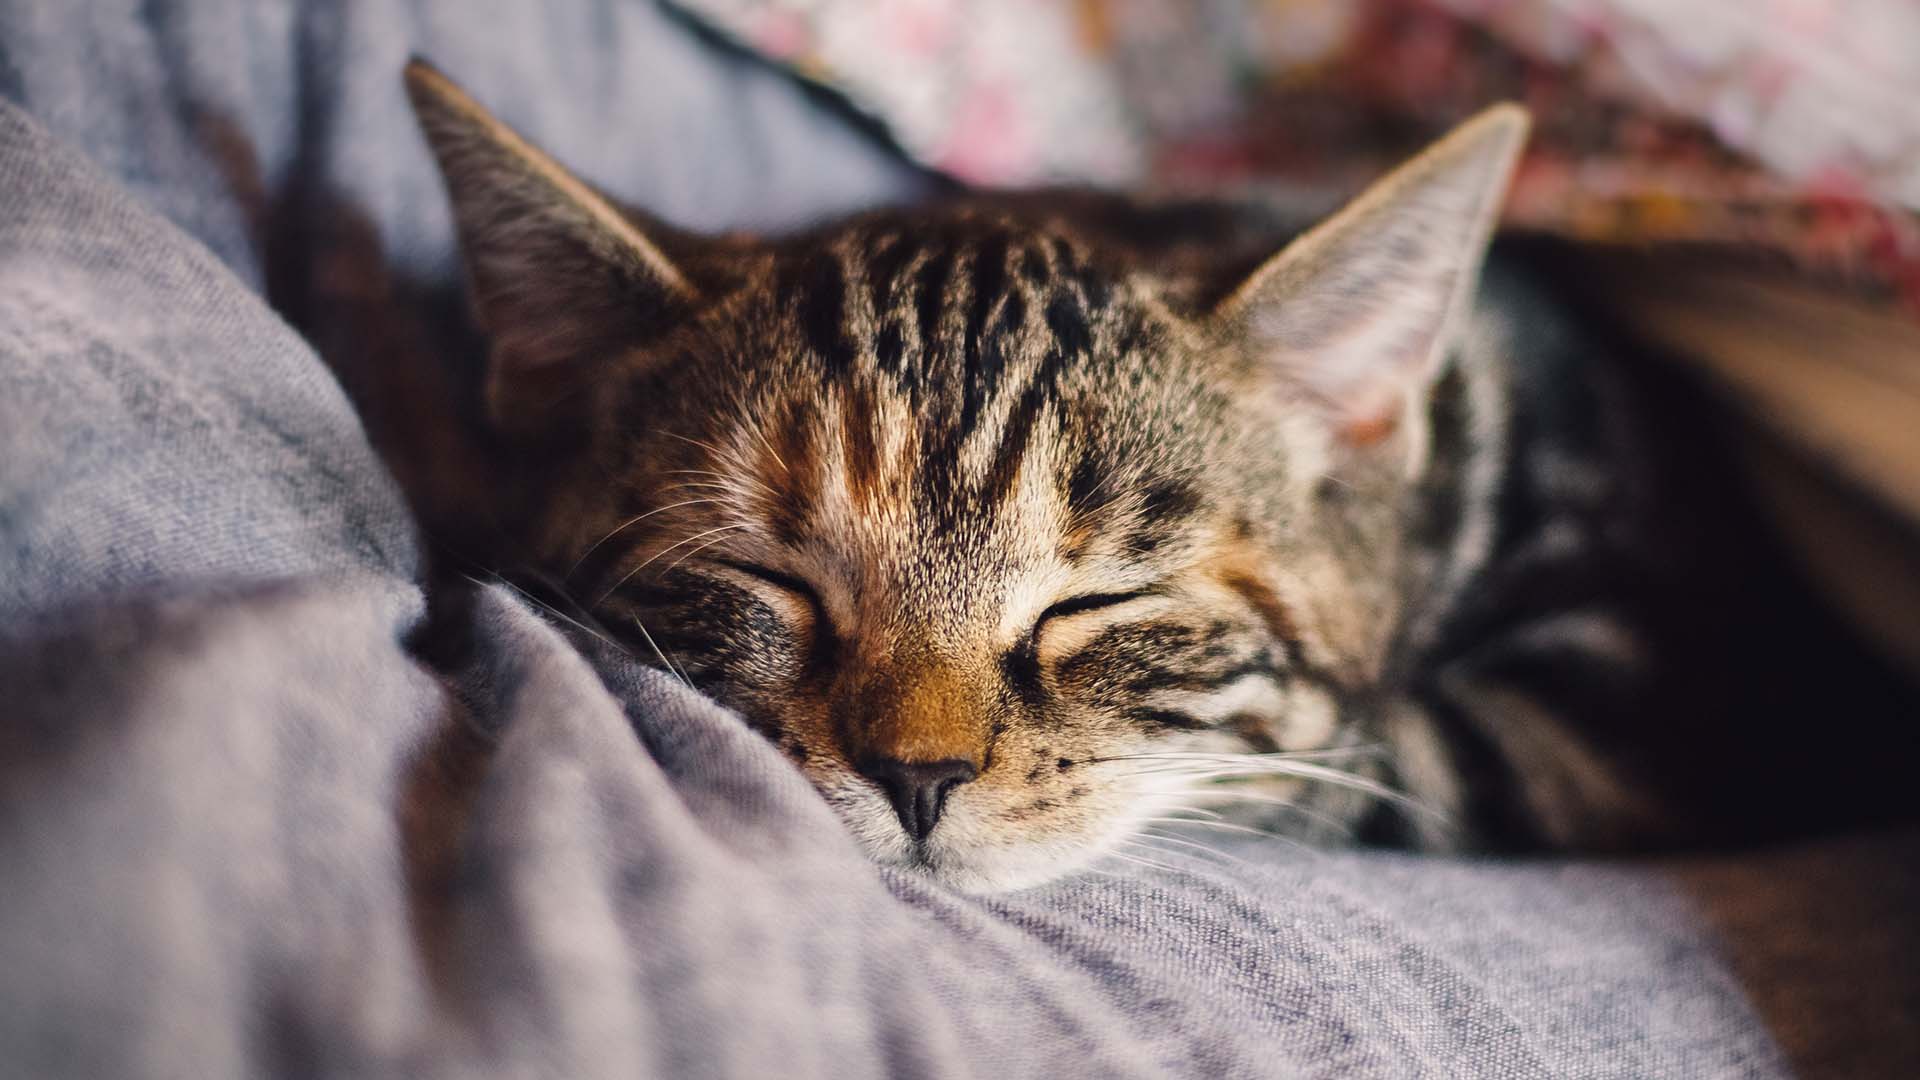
{"x":562,"y":278}
{"x":1351,"y":322}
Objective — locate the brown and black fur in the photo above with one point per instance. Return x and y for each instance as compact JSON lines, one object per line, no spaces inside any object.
{"x":1020,"y":522}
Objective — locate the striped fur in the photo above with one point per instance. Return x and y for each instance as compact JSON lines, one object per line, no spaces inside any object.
{"x":1105,"y":501}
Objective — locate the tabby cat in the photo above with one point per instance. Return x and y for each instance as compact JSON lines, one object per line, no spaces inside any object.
{"x":1020,"y":522}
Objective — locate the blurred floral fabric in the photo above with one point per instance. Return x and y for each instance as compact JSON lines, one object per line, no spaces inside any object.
{"x":1789,"y":127}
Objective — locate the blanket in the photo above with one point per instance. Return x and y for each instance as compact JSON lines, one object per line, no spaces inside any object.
{"x":269,"y":806}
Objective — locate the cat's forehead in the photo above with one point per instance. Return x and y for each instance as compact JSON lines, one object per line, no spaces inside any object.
{"x":964,"y":272}
{"x":1043,"y":243}
{"x":965,"y":310}
{"x":975,"y":382}
{"x":979,"y":339}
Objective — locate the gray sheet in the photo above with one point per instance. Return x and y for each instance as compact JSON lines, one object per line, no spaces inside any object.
{"x":245,"y":831}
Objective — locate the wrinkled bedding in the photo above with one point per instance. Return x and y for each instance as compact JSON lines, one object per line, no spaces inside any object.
{"x":251,"y":825}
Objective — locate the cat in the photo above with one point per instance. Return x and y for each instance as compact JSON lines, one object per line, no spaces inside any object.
{"x":1021,"y":522}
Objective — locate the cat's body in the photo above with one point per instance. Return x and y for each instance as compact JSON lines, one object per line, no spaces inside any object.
{"x":1021,"y":522}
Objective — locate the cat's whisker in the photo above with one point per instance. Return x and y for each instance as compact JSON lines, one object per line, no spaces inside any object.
{"x":724,"y":493}
{"x":1282,"y":755}
{"x":718,"y":454}
{"x":1278,"y":802}
{"x":1149,"y":841}
{"x":725,"y":477}
{"x":657,"y":651}
{"x":591,"y":631}
{"x":1141,"y":861}
{"x":732,"y":482}
{"x":1222,"y":780}
{"x":627,"y":524}
{"x":1202,"y":769}
{"x":1248,"y":830}
{"x":1232,"y":767}
{"x":1222,"y":826}
{"x":729,"y":491}
{"x":1198,"y":872}
{"x":1078,"y":518}
{"x":656,"y":555}
{"x":542,"y":605}
{"x":761,"y":434}
{"x":691,"y":554}
{"x":1337,"y":777}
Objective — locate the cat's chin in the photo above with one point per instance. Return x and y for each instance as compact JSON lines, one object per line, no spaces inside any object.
{"x":967,"y":864}
{"x":993,"y":870}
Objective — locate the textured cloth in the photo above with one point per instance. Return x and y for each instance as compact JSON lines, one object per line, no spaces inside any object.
{"x":251,"y":825}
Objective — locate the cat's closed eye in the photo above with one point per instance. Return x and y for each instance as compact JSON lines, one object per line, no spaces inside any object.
{"x":1079,"y":605}
{"x":801,"y":596}
{"x":1065,"y":611}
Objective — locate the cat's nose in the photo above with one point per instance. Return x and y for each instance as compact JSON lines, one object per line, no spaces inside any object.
{"x":918,"y":790}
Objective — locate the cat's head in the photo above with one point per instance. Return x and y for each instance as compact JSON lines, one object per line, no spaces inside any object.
{"x":1013,"y":532}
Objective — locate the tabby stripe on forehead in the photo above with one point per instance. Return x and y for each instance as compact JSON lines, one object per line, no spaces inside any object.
{"x":987,"y":279}
{"x":1169,"y":501}
{"x":939,"y":476}
{"x":1062,"y":314}
{"x":1072,"y":333}
{"x":886,"y":259}
{"x":1018,"y":428}
{"x":999,"y":482}
{"x":1071,"y":338}
{"x":861,"y":452}
{"x":1091,"y":483}
{"x":890,"y":348}
{"x":1033,"y":265}
{"x":1166,"y":504}
{"x":1074,"y":267}
{"x":822,"y":288}
{"x":1090,"y":488}
{"x":930,"y":299}
{"x":1085,"y":482}
{"x":793,"y":478}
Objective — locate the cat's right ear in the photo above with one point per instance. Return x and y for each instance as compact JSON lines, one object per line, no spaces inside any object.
{"x":1351,"y":323}
{"x":561,"y":278}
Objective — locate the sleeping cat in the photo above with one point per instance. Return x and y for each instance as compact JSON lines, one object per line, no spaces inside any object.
{"x":1022,"y":522}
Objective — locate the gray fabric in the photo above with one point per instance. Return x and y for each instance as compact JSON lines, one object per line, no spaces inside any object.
{"x":244,"y":830}
{"x":227,"y":115}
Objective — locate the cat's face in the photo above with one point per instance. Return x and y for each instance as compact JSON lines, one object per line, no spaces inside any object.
{"x":970,"y":525}
{"x":1012,"y":538}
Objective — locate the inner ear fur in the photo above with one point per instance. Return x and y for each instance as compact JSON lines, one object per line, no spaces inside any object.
{"x":1352,"y":321}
